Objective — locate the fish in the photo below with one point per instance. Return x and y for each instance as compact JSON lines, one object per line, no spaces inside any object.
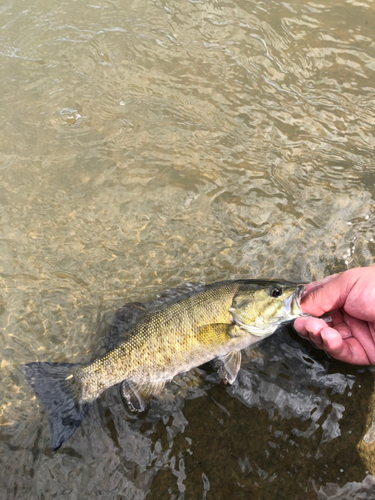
{"x":149,"y":344}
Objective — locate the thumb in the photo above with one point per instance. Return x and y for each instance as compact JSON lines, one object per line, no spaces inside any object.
{"x":327,"y":294}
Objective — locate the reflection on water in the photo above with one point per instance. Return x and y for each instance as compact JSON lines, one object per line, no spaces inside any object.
{"x":150,"y":143}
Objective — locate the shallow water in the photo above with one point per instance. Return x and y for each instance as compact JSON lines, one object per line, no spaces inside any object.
{"x":150,"y":143}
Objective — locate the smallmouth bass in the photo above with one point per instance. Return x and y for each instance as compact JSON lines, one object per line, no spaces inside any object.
{"x":191,"y":326}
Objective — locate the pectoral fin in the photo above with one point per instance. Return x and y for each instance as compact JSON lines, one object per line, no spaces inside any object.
{"x":137,"y":396}
{"x":221,"y":332}
{"x":228,"y":366}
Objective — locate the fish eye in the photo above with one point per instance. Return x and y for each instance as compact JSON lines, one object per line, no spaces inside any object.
{"x":276,"y":291}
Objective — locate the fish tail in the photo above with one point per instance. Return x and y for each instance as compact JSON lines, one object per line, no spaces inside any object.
{"x":52,"y":384}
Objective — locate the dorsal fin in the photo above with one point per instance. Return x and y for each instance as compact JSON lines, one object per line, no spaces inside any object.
{"x":122,"y":323}
{"x":128,"y":315}
{"x":176,"y":294}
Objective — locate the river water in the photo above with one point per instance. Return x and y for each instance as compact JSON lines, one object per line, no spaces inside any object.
{"x":149,"y":143}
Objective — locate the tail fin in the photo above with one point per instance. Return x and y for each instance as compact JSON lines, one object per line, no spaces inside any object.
{"x":50,"y":382}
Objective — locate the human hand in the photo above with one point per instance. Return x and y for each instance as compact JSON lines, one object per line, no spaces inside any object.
{"x":350,"y":336}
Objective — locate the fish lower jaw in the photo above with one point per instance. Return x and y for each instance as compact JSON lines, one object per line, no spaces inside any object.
{"x":265,"y":330}
{"x":259,"y":331}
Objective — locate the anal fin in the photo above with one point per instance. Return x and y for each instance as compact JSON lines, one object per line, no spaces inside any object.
{"x":228,"y":366}
{"x":137,"y":396}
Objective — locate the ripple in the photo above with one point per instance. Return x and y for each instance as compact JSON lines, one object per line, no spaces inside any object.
{"x":148,"y":144}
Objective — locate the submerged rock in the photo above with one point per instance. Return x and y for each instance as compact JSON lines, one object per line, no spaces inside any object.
{"x":366,"y":447}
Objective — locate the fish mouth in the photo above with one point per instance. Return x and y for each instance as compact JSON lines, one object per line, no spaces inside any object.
{"x":293,"y":303}
{"x":299,"y":293}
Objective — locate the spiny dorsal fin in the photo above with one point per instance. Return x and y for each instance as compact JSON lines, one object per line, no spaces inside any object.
{"x":228,"y":366}
{"x":177,"y":293}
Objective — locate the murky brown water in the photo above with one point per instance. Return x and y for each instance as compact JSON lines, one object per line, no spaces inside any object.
{"x":149,"y":143}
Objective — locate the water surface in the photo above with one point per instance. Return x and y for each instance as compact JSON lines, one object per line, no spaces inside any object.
{"x":150,"y":143}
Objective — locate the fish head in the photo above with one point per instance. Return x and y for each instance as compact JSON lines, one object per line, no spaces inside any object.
{"x":261,"y":310}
